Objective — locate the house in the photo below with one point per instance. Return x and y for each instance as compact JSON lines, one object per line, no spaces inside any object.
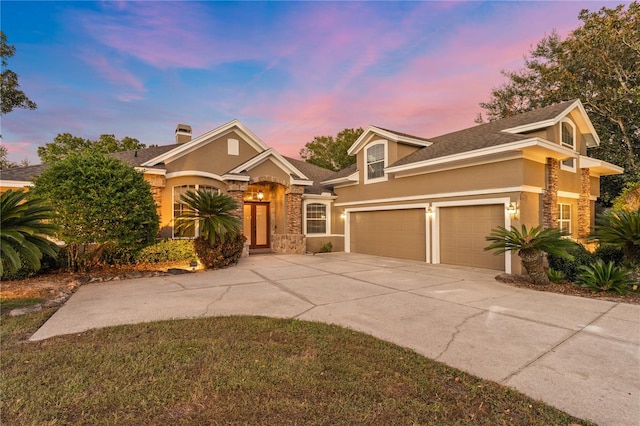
{"x":428,"y":199}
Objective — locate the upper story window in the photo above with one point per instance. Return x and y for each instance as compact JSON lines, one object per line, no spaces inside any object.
{"x":179,"y":207}
{"x":316,"y":218}
{"x":375,"y":156}
{"x":568,"y":134}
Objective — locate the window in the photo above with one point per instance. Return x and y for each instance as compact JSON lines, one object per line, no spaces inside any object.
{"x":564,"y":218}
{"x":375,"y":157}
{"x":568,"y":134}
{"x":179,"y":208}
{"x":316,"y":218}
{"x":568,"y":165}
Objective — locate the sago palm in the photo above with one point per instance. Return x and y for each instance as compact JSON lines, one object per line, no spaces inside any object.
{"x":530,"y":245}
{"x":23,"y":229}
{"x":213,"y":213}
{"x":620,"y":229}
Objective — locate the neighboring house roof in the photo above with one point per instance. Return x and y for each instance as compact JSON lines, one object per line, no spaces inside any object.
{"x":24,"y":174}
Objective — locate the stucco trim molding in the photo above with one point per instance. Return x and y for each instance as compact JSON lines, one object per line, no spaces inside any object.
{"x":15,"y":183}
{"x":195,"y":173}
{"x":521,"y":188}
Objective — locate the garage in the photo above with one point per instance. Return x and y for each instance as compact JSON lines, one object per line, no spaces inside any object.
{"x":391,"y":233}
{"x":462,"y":235}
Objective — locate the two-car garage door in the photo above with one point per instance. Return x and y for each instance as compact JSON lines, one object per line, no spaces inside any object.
{"x":402,"y":234}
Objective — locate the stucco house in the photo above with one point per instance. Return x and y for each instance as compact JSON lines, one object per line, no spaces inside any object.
{"x":428,"y":199}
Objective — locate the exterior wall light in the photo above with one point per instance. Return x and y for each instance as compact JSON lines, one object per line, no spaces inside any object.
{"x":511,"y":208}
{"x":430,"y":212}
{"x":260,"y":195}
{"x":343,"y":216}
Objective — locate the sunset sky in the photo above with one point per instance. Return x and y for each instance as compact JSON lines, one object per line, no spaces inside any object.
{"x":288,"y":70}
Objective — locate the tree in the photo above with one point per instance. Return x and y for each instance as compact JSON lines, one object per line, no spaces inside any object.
{"x":101,"y":203}
{"x":10,"y":94}
{"x":598,"y":63}
{"x":65,"y":143}
{"x":324,"y":151}
{"x":530,"y":245}
{"x":5,"y":163}
{"x":24,"y":227}
{"x":220,"y":242}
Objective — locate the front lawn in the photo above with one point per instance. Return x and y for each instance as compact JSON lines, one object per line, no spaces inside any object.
{"x":243,"y":370}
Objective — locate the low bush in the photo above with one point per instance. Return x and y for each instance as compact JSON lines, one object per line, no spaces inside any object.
{"x":608,"y":253}
{"x":326,"y":248}
{"x":220,"y":254}
{"x":47,"y":264}
{"x":557,"y":277}
{"x":167,"y":251}
{"x":601,"y":276}
{"x":571,"y":268}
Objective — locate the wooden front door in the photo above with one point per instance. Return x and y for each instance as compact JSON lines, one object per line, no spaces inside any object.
{"x":256,"y":224}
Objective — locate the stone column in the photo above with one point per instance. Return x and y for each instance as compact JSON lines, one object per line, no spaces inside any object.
{"x":584,"y":204}
{"x":236,"y":191}
{"x":157,"y":184}
{"x":294,"y":209}
{"x":550,"y":197}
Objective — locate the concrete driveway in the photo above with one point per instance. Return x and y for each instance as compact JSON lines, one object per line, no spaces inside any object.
{"x":580,"y":355}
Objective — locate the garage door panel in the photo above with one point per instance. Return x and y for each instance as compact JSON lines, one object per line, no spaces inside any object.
{"x":462,"y":235}
{"x":391,"y":233}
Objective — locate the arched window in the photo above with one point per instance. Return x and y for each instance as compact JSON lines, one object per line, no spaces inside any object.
{"x":179,"y":207}
{"x":568,"y":139}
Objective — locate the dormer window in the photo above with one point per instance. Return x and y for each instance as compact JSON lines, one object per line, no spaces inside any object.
{"x":568,"y":134}
{"x":376,"y":159}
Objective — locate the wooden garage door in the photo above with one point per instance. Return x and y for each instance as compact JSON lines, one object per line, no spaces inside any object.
{"x":462,"y":235}
{"x":392,"y":233}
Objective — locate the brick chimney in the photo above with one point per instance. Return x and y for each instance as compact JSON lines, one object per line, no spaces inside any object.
{"x":183,"y":133}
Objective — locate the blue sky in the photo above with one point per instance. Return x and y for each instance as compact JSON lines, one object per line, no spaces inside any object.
{"x":288,"y":70}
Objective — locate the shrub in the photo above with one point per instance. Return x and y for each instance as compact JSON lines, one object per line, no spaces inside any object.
{"x":219,"y":254}
{"x":557,"y":277}
{"x":609,"y":253}
{"x":326,"y":248}
{"x":571,"y":268}
{"x":167,"y":251}
{"x":620,"y":229}
{"x":601,"y":276}
{"x":48,"y":264}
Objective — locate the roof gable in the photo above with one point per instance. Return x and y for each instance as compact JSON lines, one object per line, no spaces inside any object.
{"x":389,"y":135}
{"x":186,"y":148}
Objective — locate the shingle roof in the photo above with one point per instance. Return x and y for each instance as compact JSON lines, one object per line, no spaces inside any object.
{"x":22,"y":174}
{"x":344,"y":172}
{"x":137,"y":157}
{"x":315,"y":173}
{"x":483,"y":135}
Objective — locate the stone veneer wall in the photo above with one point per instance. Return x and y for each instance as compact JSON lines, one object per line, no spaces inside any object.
{"x":294,"y":210}
{"x":157,"y":186}
{"x":584,"y":204}
{"x":289,"y":243}
{"x":550,"y":197}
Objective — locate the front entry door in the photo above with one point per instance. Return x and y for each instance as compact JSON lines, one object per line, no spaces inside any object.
{"x":256,"y":224}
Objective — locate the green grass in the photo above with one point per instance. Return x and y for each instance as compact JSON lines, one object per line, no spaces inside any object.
{"x":8,"y":304}
{"x":241,"y":370}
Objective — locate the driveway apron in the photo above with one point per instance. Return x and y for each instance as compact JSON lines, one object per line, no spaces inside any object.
{"x":580,"y":355}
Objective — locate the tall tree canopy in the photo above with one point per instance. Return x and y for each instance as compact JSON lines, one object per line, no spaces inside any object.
{"x":598,"y":63}
{"x":330,"y":153}
{"x":65,"y":144}
{"x":10,"y":94}
{"x":100,"y":202}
